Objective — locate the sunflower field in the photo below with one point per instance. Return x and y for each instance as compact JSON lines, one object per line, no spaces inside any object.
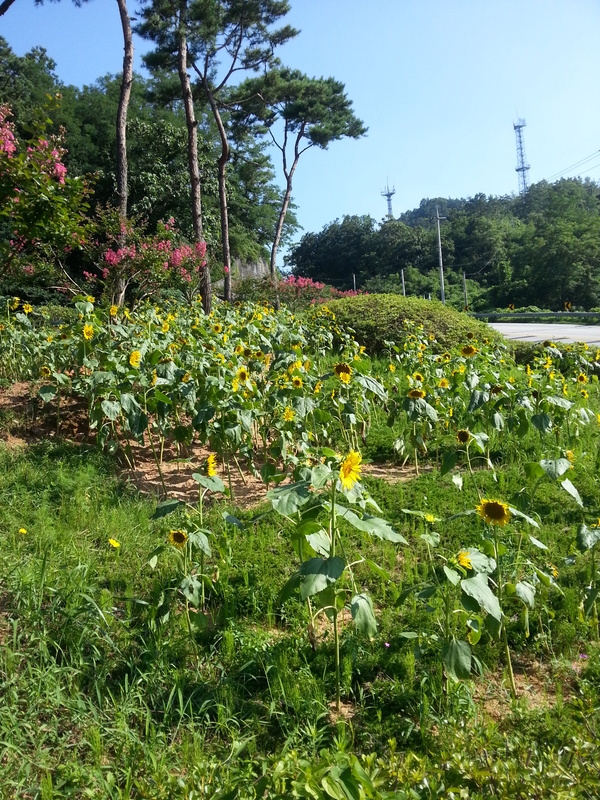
{"x":361,"y":572}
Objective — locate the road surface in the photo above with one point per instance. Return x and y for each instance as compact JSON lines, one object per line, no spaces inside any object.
{"x":535,"y":332}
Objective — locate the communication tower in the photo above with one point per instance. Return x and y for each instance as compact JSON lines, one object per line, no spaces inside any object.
{"x":522,"y":165}
{"x":389,"y":193}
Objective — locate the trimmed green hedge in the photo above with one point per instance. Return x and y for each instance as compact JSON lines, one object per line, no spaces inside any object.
{"x":376,"y":318}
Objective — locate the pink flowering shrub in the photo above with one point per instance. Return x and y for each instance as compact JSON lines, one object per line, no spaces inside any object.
{"x":129,"y":260}
{"x":295,"y":292}
{"x":43,"y":208}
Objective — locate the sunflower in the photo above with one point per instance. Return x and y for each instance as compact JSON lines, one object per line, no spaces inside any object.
{"x":463,"y":436}
{"x":211,"y":465}
{"x":494,"y":511}
{"x":45,"y":372}
{"x":497,"y":389}
{"x":88,"y":332}
{"x":468,"y":351}
{"x":570,"y":456}
{"x":90,"y":299}
{"x":297,"y":382}
{"x":217,"y":327}
{"x":582,"y":378}
{"x":165,"y":327}
{"x":444,"y":383}
{"x":15,"y":303}
{"x":548,"y":343}
{"x":319,"y":386}
{"x":113,"y":311}
{"x":242,"y":374}
{"x":469,"y":334}
{"x":27,"y":308}
{"x":178,"y":538}
{"x":135,"y":358}
{"x":584,"y":393}
{"x":343,"y":371}
{"x":392,"y":368}
{"x":464,"y":560}
{"x":350,"y":469}
{"x":416,"y":394}
{"x":418,"y":377}
{"x":288,"y":414}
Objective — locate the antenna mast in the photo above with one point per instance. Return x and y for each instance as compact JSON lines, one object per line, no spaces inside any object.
{"x":389,"y":193}
{"x":522,"y":165}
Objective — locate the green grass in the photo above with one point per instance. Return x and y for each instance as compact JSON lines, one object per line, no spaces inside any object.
{"x":102,"y":699}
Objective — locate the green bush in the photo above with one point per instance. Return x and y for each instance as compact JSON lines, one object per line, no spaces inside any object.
{"x":377,"y":318}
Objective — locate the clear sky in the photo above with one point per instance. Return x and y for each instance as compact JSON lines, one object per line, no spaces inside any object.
{"x":439,"y":83}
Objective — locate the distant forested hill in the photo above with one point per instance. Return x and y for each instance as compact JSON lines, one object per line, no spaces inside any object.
{"x":542,"y":250}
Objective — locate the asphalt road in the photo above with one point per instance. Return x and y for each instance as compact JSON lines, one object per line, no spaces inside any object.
{"x":534,"y":332}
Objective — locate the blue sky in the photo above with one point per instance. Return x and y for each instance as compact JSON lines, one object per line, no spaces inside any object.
{"x":439,"y":84}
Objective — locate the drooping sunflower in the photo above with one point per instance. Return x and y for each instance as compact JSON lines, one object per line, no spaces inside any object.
{"x":350,"y":469}
{"x":416,"y":394}
{"x":135,"y":358}
{"x":497,"y":389}
{"x":45,"y":372}
{"x":178,"y":538}
{"x":463,"y":436}
{"x":211,"y":465}
{"x":494,"y":511}
{"x":468,"y":351}
{"x":464,"y":560}
{"x":88,"y":332}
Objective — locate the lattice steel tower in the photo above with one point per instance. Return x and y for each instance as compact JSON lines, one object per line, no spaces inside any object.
{"x":522,"y":165}
{"x":389,"y":193}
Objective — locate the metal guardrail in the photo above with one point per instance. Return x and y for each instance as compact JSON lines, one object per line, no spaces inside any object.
{"x":530,"y":316}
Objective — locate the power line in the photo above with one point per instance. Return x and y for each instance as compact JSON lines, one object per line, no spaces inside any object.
{"x":574,"y":166}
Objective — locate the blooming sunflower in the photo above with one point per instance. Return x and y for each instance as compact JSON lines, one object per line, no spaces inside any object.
{"x":418,"y":377}
{"x":88,"y":332}
{"x":343,"y":372}
{"x":582,"y":378}
{"x":27,"y":308}
{"x":90,"y":299}
{"x":297,"y":382}
{"x":416,"y":394}
{"x":211,"y":465}
{"x":135,"y":358}
{"x":288,"y":414}
{"x":319,"y":386}
{"x":45,"y":372}
{"x":113,"y":311}
{"x":217,"y":327}
{"x":468,"y":351}
{"x":178,"y":538}
{"x":165,"y":327}
{"x":444,"y":383}
{"x":463,"y":436}
{"x":350,"y":469}
{"x":494,"y":511}
{"x":242,"y":374}
{"x":464,"y":559}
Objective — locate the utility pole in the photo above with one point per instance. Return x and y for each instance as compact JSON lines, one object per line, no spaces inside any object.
{"x":438,"y":219}
{"x":465,"y":291}
{"x":403,"y":286}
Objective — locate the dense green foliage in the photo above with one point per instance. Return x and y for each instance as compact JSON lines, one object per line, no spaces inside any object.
{"x":541,"y":250}
{"x":376,"y":319}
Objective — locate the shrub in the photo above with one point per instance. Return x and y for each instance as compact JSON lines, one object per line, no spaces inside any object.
{"x":377,"y":318}
{"x":294,"y":292}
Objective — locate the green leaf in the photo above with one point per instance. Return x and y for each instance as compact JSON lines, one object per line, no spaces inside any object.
{"x":521,"y":515}
{"x":543,"y":422}
{"x":570,"y":489}
{"x":448,"y":462}
{"x":111,"y":409}
{"x":166,"y":507}
{"x":537,"y":543}
{"x":199,"y":539}
{"x":374,"y":525}
{"x":361,"y":608}
{"x":190,"y":587}
{"x":561,"y":402}
{"x":318,"y":573}
{"x":380,"y":571}
{"x":555,"y":468}
{"x":452,"y":575}
{"x":477,"y":588}
{"x":526,"y":592}
{"x":320,"y":475}
{"x":409,"y":635}
{"x":371,"y":385}
{"x":481,"y":439}
{"x":475,"y":625}
{"x":457,"y":480}
{"x":211,"y":482}
{"x":290,"y":587}
{"x":534,"y":471}
{"x":498,"y":421}
{"x":587,"y":538}
{"x":47,"y":393}
{"x":288,"y":499}
{"x":319,"y":541}
{"x":481,"y":562}
{"x":432,"y":538}
{"x":231,"y":520}
{"x":456,"y":656}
